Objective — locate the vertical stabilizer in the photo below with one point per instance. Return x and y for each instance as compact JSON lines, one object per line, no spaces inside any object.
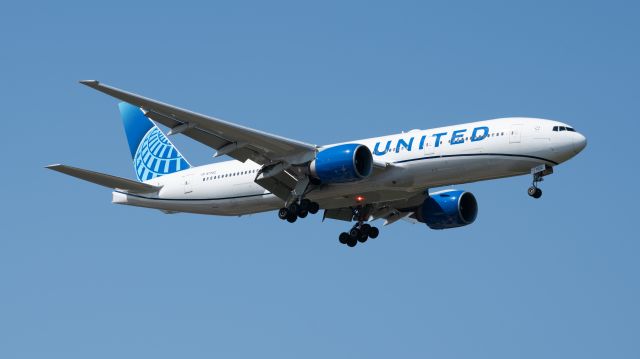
{"x":152,"y":152}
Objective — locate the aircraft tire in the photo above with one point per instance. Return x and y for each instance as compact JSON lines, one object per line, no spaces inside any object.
{"x":283,"y":213}
{"x":538,"y":193}
{"x":363,"y":238}
{"x":343,"y":238}
{"x":314,"y":207}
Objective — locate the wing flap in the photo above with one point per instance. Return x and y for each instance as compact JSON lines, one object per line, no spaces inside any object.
{"x":102,"y":179}
{"x":280,"y":184}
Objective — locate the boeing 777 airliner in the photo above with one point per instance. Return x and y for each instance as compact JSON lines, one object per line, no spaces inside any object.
{"x":387,"y":178}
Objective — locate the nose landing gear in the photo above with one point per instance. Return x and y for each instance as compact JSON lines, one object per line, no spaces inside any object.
{"x":538,"y":173}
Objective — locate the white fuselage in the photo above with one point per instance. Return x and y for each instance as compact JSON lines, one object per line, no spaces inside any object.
{"x":419,"y":159}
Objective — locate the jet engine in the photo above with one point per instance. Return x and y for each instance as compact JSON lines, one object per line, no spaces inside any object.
{"x":448,"y":209}
{"x":342,"y":163}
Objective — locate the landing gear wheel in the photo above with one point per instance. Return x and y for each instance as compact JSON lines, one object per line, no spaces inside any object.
{"x":355,"y":233}
{"x":302,"y":213}
{"x":374,"y":232}
{"x":294,"y":208}
{"x":291,"y":217}
{"x":351,"y":242}
{"x":365,"y":228}
{"x":538,"y":193}
{"x":283,"y":213}
{"x":304,"y":204}
{"x":363,"y":237}
{"x":314,"y":207}
{"x":534,"y":192}
{"x":344,"y":237}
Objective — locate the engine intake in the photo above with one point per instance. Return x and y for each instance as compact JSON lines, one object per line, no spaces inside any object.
{"x":343,"y":163}
{"x":449,"y":209}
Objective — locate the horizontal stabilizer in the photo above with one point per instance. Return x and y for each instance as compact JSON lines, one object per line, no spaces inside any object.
{"x":117,"y":183}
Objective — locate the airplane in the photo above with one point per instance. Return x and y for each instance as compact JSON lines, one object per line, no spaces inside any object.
{"x":384,"y":178}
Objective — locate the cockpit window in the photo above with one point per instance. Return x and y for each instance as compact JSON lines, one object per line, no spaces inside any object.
{"x":563,"y":128}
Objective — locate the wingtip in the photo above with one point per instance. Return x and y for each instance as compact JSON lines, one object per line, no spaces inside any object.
{"x":53,"y":166}
{"x":90,"y":83}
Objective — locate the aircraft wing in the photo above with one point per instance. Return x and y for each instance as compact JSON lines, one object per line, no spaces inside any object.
{"x":238,"y":142}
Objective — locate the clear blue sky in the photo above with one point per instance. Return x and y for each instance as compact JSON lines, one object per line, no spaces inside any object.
{"x":553,"y":278}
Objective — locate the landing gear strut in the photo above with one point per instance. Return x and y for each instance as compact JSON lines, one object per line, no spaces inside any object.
{"x":538,"y":173}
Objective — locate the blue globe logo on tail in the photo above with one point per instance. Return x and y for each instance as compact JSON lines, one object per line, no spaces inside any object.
{"x":153,"y":154}
{"x":156,"y":156}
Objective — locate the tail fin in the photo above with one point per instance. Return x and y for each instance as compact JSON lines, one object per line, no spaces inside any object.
{"x":152,"y":152}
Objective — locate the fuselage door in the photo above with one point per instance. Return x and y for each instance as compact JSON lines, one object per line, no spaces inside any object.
{"x":515,"y":134}
{"x":188,"y":185}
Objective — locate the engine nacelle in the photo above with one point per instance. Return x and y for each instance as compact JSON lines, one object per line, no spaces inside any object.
{"x":449,"y":209}
{"x":342,"y":163}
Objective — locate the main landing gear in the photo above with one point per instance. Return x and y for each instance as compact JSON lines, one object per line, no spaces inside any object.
{"x":359,"y":233}
{"x":298,"y":210}
{"x":538,"y":173}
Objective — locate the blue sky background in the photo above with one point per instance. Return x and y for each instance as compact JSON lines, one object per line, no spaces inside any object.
{"x":553,"y":278}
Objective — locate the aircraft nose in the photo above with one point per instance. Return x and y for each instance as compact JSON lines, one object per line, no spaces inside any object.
{"x":579,"y":143}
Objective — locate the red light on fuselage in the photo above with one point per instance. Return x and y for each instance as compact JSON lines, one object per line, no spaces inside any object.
{"x":359,"y":198}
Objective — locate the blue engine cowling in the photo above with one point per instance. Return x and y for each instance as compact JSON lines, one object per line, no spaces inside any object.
{"x":342,"y":163}
{"x":449,"y":209}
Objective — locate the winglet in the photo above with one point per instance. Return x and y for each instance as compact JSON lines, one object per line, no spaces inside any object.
{"x":90,"y":83}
